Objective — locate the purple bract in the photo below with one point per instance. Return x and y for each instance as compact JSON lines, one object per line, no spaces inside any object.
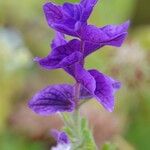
{"x":63,"y":142}
{"x":71,"y":19}
{"x":68,"y":18}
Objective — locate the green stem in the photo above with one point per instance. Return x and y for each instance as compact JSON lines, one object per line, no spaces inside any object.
{"x":77,"y":94}
{"x":80,"y":134}
{"x":78,"y":85}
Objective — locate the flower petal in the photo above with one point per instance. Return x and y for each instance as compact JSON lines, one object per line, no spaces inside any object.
{"x":105,"y":89}
{"x":59,"y":19}
{"x":58,"y":40}
{"x":88,"y":6}
{"x":61,"y":137}
{"x":53,"y":13}
{"x":96,"y":38}
{"x":85,"y":94}
{"x":73,"y":10}
{"x":80,"y":11}
{"x":63,"y":142}
{"x":62,"y":56}
{"x":82,"y":76}
{"x":69,"y":17}
{"x":52,"y":99}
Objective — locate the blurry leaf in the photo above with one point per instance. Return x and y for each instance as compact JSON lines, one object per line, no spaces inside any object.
{"x":142,"y":34}
{"x":113,"y":11}
{"x":139,"y":121}
{"x":109,"y":146}
{"x":11,"y":141}
{"x":15,"y":62}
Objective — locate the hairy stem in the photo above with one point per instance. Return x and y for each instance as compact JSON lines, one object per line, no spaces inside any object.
{"x":82,"y":50}
{"x":77,"y":94}
{"x":78,"y":85}
{"x":75,"y":125}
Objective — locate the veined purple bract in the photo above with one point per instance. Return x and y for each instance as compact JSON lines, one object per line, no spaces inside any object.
{"x":71,"y":19}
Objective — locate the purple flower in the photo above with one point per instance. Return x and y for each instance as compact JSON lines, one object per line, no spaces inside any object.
{"x":96,"y":84}
{"x":61,"y":56}
{"x":67,"y":53}
{"x":71,"y":19}
{"x":95,"y":37}
{"x":52,"y":99}
{"x":82,"y":76}
{"x":61,"y":137}
{"x":63,"y":142}
{"x":68,"y":18}
{"x":69,"y":58}
{"x":105,"y":89}
{"x":58,"y":40}
{"x":55,"y":98}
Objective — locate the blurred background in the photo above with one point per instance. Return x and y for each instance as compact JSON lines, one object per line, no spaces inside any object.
{"x":25,"y":34}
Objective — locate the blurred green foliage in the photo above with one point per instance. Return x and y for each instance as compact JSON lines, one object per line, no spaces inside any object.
{"x":10,"y":141}
{"x":109,"y":146}
{"x":15,"y":59}
{"x":141,"y":14}
{"x":113,"y":11}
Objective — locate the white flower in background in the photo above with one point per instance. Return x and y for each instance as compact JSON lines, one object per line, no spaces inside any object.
{"x":13,"y":53}
{"x":62,"y":147}
{"x":132,"y":54}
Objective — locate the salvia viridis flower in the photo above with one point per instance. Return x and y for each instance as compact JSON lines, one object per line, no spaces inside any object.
{"x":63,"y":142}
{"x":71,"y":19}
